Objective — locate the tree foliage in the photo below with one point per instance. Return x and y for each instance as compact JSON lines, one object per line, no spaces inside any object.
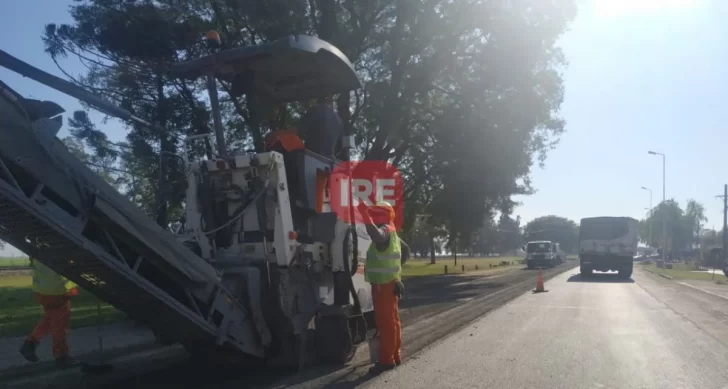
{"x":103,"y":166}
{"x":683,"y":226}
{"x":462,"y":96}
{"x":554,"y":228}
{"x":510,"y":233}
{"x":426,"y":236}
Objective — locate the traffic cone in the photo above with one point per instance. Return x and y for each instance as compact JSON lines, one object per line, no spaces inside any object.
{"x":539,"y":283}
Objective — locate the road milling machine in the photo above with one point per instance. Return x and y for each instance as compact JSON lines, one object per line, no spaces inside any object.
{"x":257,"y":269}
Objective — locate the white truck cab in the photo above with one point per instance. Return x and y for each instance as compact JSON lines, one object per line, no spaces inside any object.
{"x":540,"y":254}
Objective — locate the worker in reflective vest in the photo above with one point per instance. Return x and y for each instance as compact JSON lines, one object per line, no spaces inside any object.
{"x":383,"y":269}
{"x":53,"y":292}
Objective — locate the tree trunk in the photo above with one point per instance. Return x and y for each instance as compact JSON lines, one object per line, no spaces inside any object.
{"x":455,"y":250}
{"x":328,"y":27}
{"x":162,"y":217}
{"x":432,"y":249}
{"x":164,"y":155}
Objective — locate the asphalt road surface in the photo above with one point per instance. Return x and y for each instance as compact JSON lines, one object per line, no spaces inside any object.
{"x":597,"y":334}
{"x":433,"y":307}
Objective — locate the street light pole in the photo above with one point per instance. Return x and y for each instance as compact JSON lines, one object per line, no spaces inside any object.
{"x":664,"y":216}
{"x":724,"y":197}
{"x":649,"y":224}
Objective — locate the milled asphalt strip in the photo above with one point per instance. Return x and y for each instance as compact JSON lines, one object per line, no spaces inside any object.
{"x":125,"y":365}
{"x":34,"y":369}
{"x":418,"y":336}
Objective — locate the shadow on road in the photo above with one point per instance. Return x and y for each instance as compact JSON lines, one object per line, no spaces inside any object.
{"x":601,"y":278}
{"x":535,"y":269}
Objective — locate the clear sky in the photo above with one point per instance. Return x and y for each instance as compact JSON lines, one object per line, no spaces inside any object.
{"x":643,"y":75}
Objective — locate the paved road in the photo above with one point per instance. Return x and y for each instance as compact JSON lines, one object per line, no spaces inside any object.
{"x":433,"y":308}
{"x":82,"y":341}
{"x":645,"y":333}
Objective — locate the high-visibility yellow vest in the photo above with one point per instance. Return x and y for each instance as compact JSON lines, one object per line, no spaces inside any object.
{"x":49,"y":283}
{"x":383,"y":267}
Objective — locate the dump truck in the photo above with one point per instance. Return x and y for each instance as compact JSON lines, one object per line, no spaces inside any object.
{"x":608,"y":243}
{"x":256,"y":270}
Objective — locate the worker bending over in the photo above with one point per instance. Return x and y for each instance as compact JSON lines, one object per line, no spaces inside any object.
{"x":53,"y":292}
{"x":383,"y":269}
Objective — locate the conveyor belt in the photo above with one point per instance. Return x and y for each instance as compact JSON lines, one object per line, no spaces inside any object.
{"x":32,"y":228}
{"x":92,"y":268}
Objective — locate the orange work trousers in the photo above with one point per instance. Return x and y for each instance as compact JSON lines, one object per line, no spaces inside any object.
{"x":56,"y":320}
{"x":386,"y":315}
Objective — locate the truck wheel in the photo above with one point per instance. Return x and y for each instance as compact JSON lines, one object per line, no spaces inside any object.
{"x":585,"y":271}
{"x":350,"y":250}
{"x":211,"y":356}
{"x":625,"y":272}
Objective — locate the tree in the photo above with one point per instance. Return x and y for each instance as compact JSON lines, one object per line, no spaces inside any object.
{"x":441,"y":83}
{"x":485,"y":239}
{"x":128,"y":48}
{"x":554,"y":228}
{"x":425,"y":236}
{"x":694,"y":218}
{"x":479,"y":143}
{"x":511,"y":236}
{"x":711,"y":241}
{"x":101,"y":166}
{"x":679,"y":230}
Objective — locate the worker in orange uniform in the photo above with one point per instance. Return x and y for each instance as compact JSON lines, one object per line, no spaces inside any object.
{"x":283,"y":140}
{"x":53,"y":292}
{"x":383,"y":269}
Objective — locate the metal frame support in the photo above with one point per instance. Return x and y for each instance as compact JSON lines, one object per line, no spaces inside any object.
{"x":219,"y":132}
{"x":7,"y":172}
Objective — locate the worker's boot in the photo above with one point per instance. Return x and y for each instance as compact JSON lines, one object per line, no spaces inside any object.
{"x":27,"y":350}
{"x":64,"y":361}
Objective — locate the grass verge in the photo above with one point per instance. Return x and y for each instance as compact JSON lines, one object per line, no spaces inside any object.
{"x":684,"y":272}
{"x":19,"y":312}
{"x":422,"y":267}
{"x":14,"y":262}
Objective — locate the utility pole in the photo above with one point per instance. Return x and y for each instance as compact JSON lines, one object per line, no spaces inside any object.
{"x":724,"y":196}
{"x":725,"y":224}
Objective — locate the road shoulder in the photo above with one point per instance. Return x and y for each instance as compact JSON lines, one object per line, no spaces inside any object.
{"x":706,"y":311}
